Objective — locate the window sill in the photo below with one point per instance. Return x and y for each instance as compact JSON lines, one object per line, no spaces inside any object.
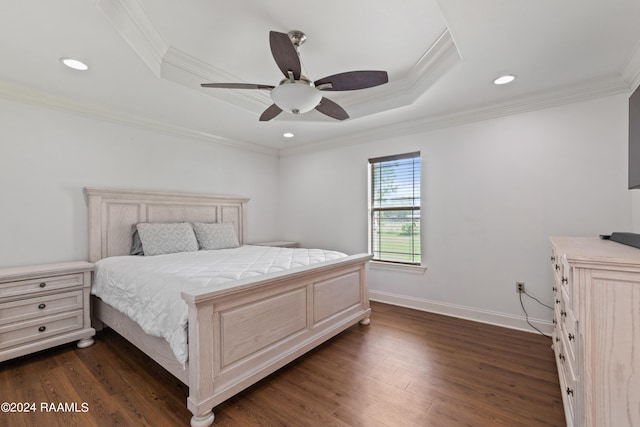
{"x":404,"y":268}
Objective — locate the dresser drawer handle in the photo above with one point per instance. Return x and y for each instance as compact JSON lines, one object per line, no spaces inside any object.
{"x":565,"y":280}
{"x":42,"y":328}
{"x":555,"y":322}
{"x":555,"y":289}
{"x":42,"y":306}
{"x":43,"y":284}
{"x":553,"y":258}
{"x":563,"y":313}
{"x":569,"y":391}
{"x":561,"y":356}
{"x":557,"y":301}
{"x":572,"y":337}
{"x":557,"y":267}
{"x":557,"y":339}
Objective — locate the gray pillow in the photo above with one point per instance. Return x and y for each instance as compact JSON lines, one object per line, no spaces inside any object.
{"x":216,"y":235}
{"x":161,"y":238}
{"x":136,"y":244}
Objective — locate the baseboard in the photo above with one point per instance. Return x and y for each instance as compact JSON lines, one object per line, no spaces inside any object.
{"x":463,"y":312}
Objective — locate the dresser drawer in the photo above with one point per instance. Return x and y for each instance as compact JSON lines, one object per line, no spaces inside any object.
{"x":41,"y":285}
{"x":557,"y":309}
{"x":569,"y":330}
{"x":569,"y":396}
{"x":567,"y":381}
{"x":566,"y":281}
{"x":37,"y":329}
{"x":39,"y":306}
{"x":556,"y":265}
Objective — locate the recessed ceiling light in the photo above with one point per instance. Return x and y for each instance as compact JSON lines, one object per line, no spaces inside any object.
{"x":503,"y":80}
{"x":75,"y":64}
{"x":288,"y":135}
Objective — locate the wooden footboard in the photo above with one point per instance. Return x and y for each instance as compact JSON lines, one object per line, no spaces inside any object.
{"x":241,"y":334}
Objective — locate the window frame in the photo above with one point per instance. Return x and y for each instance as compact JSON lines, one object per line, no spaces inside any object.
{"x":413,"y":207}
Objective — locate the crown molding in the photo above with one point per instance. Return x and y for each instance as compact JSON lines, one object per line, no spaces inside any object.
{"x":441,"y":56}
{"x":598,"y":89}
{"x":631,"y":71}
{"x":132,"y":22}
{"x":608,"y":86}
{"x":34,"y":97}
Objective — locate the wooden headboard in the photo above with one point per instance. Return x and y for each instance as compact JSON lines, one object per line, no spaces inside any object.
{"x":113,"y":212}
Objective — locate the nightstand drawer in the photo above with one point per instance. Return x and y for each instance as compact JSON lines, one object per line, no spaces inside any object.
{"x":37,"y":329}
{"x":41,"y":285}
{"x":30,"y":308}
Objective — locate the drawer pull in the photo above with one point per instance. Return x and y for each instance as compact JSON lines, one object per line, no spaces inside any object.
{"x":572,"y":337}
{"x":569,"y":391}
{"x":561,"y":356}
{"x":557,"y":301}
{"x":555,"y":289}
{"x":557,"y":267}
{"x":563,"y":313}
{"x":565,"y":280}
{"x":555,"y":322}
{"x":43,"y":284}
{"x":553,"y":258}
{"x":42,"y":328}
{"x":557,"y":339}
{"x":42,"y":306}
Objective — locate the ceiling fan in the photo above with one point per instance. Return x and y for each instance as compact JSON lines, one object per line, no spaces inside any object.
{"x":297,"y":94}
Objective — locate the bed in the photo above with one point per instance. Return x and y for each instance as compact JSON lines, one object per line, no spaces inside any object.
{"x":242,"y":331}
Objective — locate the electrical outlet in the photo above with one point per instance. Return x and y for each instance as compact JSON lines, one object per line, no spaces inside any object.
{"x":519,"y":287}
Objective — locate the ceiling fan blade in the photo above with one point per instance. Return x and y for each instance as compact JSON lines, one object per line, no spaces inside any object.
{"x":236,"y":86}
{"x":331,"y":109}
{"x":270,"y":113}
{"x":353,"y":80}
{"x":285,"y":54}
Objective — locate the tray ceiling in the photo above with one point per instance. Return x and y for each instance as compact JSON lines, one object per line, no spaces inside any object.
{"x":147,"y":59}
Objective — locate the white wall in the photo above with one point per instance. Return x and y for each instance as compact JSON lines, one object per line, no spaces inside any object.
{"x":48,"y":156}
{"x":493,"y":192}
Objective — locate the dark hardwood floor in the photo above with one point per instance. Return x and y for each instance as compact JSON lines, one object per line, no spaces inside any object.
{"x":407,"y":368}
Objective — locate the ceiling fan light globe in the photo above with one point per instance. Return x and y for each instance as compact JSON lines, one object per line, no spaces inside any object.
{"x":296,"y":97}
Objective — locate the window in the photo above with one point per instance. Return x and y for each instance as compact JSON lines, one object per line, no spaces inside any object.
{"x":394,"y":221}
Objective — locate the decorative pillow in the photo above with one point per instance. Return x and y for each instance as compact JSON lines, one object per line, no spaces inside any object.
{"x":136,"y":244}
{"x":216,"y":235}
{"x":161,"y":238}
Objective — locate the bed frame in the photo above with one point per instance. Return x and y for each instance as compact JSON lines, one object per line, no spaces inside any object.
{"x":245,"y":331}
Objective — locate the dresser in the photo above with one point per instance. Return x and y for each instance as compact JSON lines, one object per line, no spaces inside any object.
{"x":44,"y":306}
{"x":596,"y":337}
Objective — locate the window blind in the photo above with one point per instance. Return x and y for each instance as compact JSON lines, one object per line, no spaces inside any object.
{"x":395,"y":208}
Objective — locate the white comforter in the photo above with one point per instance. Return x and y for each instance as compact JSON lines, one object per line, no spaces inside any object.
{"x":147,"y":289}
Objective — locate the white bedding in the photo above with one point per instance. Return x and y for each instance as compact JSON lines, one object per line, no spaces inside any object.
{"x":147,"y":289}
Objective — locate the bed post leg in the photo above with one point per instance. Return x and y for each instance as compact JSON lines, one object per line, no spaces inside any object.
{"x":365,"y":321}
{"x":204,"y":420}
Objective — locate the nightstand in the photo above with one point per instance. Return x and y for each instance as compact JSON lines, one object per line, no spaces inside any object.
{"x":278,"y":243}
{"x":44,"y":306}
